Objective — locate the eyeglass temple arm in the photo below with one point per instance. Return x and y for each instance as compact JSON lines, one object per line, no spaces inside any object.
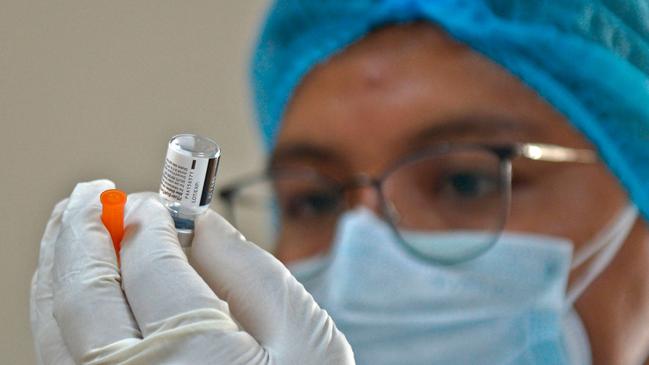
{"x":554,"y":153}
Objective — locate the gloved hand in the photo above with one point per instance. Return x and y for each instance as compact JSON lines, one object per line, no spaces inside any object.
{"x":243,"y":308}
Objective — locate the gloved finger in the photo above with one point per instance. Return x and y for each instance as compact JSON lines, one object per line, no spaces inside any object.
{"x":89,"y":305}
{"x":158,"y":281}
{"x":263,"y":296}
{"x":49,"y":345}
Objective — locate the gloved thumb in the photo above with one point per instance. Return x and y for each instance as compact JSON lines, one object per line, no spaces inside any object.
{"x":268,"y":302}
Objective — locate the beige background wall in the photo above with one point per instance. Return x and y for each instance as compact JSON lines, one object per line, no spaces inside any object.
{"x":92,"y":89}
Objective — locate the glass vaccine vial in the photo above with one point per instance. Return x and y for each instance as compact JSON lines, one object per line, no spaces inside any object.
{"x":188,"y":180}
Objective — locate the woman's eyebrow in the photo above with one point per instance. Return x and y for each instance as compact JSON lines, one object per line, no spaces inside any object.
{"x":472,"y":126}
{"x":302,"y":151}
{"x":475,"y":127}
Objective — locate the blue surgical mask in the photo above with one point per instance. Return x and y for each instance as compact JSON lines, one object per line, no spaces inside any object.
{"x":508,"y":306}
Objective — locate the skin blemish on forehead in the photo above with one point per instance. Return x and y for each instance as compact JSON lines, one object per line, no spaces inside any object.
{"x":374,"y":67}
{"x":372,"y":75}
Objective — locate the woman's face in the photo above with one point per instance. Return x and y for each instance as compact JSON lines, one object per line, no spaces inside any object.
{"x":405,"y":88}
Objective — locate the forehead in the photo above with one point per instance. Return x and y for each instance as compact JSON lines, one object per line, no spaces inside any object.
{"x":368,"y":102}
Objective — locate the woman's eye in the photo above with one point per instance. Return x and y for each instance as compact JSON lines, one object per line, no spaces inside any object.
{"x":468,"y":184}
{"x":309,"y":205}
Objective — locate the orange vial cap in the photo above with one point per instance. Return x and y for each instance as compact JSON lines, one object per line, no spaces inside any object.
{"x":112,"y":215}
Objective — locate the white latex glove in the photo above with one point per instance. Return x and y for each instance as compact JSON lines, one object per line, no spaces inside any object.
{"x":164,"y":312}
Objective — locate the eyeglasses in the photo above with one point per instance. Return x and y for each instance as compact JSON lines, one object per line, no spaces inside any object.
{"x":447,"y":203}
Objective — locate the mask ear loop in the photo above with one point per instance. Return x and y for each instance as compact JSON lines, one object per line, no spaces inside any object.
{"x":602,"y":249}
{"x":613,"y":229}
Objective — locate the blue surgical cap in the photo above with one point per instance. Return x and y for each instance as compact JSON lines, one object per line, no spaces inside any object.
{"x":589,"y":59}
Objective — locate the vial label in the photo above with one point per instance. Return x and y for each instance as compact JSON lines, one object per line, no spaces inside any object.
{"x":188,"y":180}
{"x":210,"y":181}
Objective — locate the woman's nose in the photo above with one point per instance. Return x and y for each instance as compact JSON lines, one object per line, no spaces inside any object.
{"x":366,"y":196}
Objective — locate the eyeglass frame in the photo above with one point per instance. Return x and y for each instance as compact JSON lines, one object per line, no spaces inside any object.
{"x":505,"y":153}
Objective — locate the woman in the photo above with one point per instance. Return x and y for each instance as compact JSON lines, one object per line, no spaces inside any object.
{"x":454,"y":182}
